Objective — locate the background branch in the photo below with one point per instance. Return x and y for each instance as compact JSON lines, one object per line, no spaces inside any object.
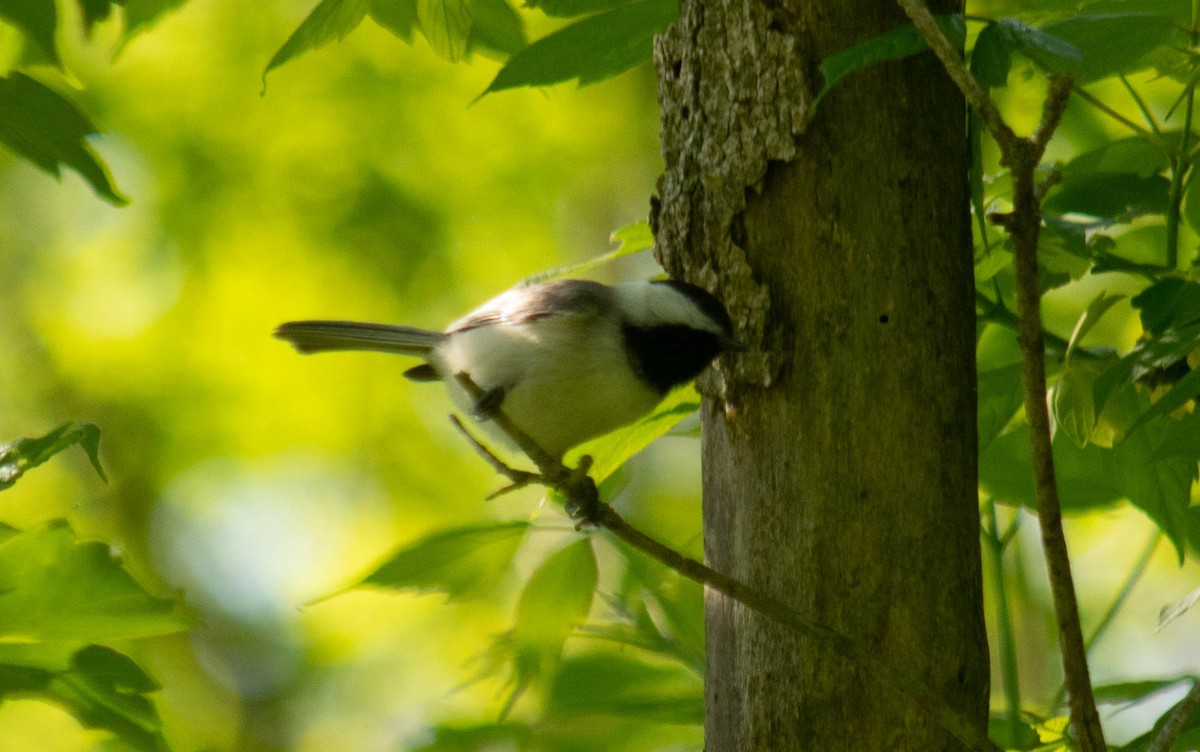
{"x":1021,"y":156}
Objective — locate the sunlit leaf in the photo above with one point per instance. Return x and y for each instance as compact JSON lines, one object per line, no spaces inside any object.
{"x":53,"y":587}
{"x":555,"y":601}
{"x":1183,"y":391}
{"x":1099,"y":305}
{"x":1094,"y":477}
{"x":446,"y":25}
{"x":459,"y":562}
{"x":1072,"y":402}
{"x":1176,"y":609}
{"x":613,"y":449}
{"x":331,"y":19}
{"x":397,"y":16}
{"x":1001,"y":732}
{"x":44,"y":127}
{"x":622,"y":685}
{"x":16,"y":457}
{"x":894,"y":44}
{"x":101,"y":688}
{"x":596,"y":48}
{"x":38,"y":19}
{"x":497,"y":27}
{"x":1164,"y":350}
{"x":1130,"y":693}
{"x":632,"y":238}
{"x":1109,"y":43}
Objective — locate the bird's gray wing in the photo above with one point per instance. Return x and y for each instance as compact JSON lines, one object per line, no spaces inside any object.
{"x":521,"y":305}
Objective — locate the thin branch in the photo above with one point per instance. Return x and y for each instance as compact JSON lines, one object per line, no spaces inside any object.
{"x":952,"y":61}
{"x":584,"y":504}
{"x":1021,"y":156}
{"x":1179,"y":717}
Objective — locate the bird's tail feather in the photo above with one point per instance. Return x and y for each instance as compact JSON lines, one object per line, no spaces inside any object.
{"x":324,"y":336}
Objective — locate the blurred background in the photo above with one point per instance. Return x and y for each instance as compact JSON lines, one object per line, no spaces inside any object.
{"x":365,"y":183}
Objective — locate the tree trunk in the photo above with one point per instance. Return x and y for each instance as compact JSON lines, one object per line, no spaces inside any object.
{"x":840,"y":453}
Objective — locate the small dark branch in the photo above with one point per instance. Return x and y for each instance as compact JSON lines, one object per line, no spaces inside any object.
{"x":952,"y":61}
{"x":1025,"y":227}
{"x":584,"y":505}
{"x":1180,"y":715}
{"x":1021,"y":156}
{"x":1058,"y":95}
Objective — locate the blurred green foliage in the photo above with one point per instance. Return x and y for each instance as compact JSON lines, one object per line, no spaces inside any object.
{"x":367,"y":182}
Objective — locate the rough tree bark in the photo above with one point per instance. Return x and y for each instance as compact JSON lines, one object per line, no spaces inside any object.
{"x":840,"y":462}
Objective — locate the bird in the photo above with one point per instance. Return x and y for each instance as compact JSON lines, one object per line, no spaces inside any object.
{"x":566,"y":360}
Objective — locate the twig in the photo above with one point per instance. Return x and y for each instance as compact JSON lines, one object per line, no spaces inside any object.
{"x":1021,"y":156}
{"x":584,"y":504}
{"x":1180,"y":715}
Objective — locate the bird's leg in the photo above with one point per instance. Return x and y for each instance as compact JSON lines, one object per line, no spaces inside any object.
{"x":519,"y":478}
{"x":485,"y":405}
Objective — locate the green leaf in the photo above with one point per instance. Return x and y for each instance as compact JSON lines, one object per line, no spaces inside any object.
{"x":999,"y":400}
{"x":460,"y":562}
{"x":1129,"y":693}
{"x":397,"y":16}
{"x":632,"y":238}
{"x":38,"y":19}
{"x":47,"y":129}
{"x":497,"y":27}
{"x":1091,"y":316}
{"x":491,"y":736}
{"x":991,"y":57}
{"x":1044,"y":49}
{"x":555,"y":601}
{"x":596,"y":48}
{"x":101,"y":688}
{"x":446,"y":25}
{"x":621,"y":685}
{"x":612,"y":450}
{"x":55,"y":588}
{"x":894,"y":44}
{"x":1176,"y":609}
{"x":331,"y":19}
{"x":1133,"y":155}
{"x":1164,"y":350}
{"x":92,"y":12}
{"x":142,"y":14}
{"x":1000,"y":731}
{"x":19,"y":456}
{"x":1185,"y":390}
{"x":568,"y":8}
{"x":1109,"y":43}
{"x":1113,"y":196}
{"x":1094,"y":477}
{"x":1169,"y":302}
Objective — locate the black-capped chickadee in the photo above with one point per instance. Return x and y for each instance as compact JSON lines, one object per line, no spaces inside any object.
{"x":567,"y":360}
